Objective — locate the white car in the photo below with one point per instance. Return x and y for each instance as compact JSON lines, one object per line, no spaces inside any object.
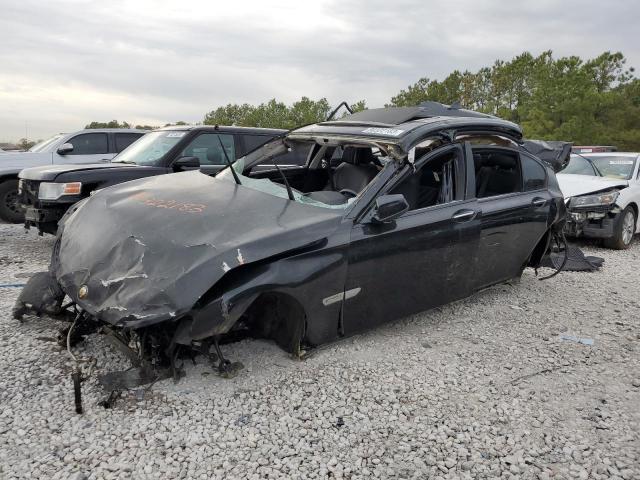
{"x":85,"y":146}
{"x":602,"y":193}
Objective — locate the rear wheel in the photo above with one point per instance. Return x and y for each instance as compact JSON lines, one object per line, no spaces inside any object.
{"x":10,"y":210}
{"x":624,"y":230}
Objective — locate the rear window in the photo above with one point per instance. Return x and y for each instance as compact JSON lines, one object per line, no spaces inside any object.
{"x":123,"y":140}
{"x":533,"y":174}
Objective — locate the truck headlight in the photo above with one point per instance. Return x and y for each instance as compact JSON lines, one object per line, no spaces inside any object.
{"x":53,"y":191}
{"x":597,"y":200}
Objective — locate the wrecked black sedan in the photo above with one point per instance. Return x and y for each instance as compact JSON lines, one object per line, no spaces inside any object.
{"x":396,"y":210}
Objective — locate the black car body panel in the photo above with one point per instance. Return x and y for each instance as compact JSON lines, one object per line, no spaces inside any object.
{"x":186,"y":258}
{"x":45,"y":214}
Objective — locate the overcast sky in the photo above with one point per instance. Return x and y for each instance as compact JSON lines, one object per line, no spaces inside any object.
{"x":66,"y":63}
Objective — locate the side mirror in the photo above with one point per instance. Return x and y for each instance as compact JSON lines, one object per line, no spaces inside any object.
{"x":65,"y":148}
{"x":186,"y":163}
{"x":389,"y":207}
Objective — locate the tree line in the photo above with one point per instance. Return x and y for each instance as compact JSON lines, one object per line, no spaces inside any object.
{"x":593,"y":101}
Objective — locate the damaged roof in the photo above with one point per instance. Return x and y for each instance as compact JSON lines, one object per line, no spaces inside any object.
{"x":404,"y":125}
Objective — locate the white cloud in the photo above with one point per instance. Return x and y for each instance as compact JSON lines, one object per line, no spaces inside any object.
{"x":66,"y":63}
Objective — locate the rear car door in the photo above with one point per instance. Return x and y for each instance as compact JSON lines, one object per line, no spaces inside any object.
{"x":122,"y":140}
{"x":423,"y":258}
{"x":515,"y":207}
{"x":89,"y":147}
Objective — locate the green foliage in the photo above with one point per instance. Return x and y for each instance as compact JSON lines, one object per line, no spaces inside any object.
{"x":272,"y":114}
{"x":25,"y":144}
{"x":111,"y":124}
{"x":596,"y":101}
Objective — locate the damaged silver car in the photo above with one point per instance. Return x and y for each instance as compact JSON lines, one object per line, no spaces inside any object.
{"x":396,"y":210}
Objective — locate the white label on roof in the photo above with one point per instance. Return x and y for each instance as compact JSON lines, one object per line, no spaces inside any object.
{"x":586,"y":150}
{"x":393,"y":132}
{"x":620,"y":162}
{"x":175,"y":134}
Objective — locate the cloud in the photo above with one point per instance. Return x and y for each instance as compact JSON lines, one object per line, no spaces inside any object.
{"x":66,"y":63}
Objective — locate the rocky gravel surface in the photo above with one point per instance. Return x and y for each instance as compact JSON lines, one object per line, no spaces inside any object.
{"x":483,"y":388}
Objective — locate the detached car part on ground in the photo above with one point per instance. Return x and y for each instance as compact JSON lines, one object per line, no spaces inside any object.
{"x":602,"y":193}
{"x":396,"y":211}
{"x":47,"y":192}
{"x":85,"y":146}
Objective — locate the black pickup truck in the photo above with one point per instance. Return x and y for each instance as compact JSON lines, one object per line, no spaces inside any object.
{"x":47,"y":192}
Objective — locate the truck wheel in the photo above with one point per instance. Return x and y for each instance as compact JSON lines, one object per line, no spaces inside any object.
{"x":10,"y":210}
{"x":624,"y":230}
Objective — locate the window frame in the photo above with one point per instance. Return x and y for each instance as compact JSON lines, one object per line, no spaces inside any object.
{"x":544,"y":169}
{"x":73,"y":152}
{"x":187,"y":143}
{"x":459,"y":179}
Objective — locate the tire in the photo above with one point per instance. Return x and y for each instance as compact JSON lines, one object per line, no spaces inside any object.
{"x":624,"y":230}
{"x":10,"y":210}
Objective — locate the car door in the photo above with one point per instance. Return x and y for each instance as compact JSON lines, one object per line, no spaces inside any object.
{"x":88,"y":147}
{"x":420,"y":260}
{"x":210,"y":149}
{"x":514,"y":205}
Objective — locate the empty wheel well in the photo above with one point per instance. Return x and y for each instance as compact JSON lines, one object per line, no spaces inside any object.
{"x":539,"y":250}
{"x":279,"y":317}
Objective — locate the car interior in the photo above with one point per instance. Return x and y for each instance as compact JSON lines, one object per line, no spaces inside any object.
{"x":433,"y":185}
{"x":333,"y":175}
{"x":497,"y":172}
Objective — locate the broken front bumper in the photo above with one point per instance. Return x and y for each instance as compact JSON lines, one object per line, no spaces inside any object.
{"x":44,"y":219}
{"x":595,"y":222}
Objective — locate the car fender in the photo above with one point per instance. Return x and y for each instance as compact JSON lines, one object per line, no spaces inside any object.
{"x":630,"y":196}
{"x":307,"y":278}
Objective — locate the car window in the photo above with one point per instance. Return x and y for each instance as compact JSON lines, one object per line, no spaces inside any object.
{"x":89,"y":144}
{"x":579,"y":166}
{"x":251,"y":142}
{"x":206,"y":147}
{"x":534,"y":175}
{"x":497,"y":172}
{"x":123,"y":140}
{"x":433,"y":184}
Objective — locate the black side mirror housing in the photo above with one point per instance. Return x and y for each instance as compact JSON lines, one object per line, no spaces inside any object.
{"x":186,"y":163}
{"x":64,"y":149}
{"x":389,"y":207}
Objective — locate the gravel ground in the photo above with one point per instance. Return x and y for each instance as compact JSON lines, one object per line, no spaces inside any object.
{"x":482,"y":388}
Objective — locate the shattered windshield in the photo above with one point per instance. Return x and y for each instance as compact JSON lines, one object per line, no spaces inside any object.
{"x":41,"y":146}
{"x":150,"y":148}
{"x":272,"y":188}
{"x":613,"y":166}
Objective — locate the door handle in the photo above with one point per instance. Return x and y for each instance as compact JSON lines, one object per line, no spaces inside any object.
{"x":538,"y":202}
{"x":463,"y":215}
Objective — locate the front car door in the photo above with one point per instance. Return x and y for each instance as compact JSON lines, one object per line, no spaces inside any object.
{"x":515,"y":207}
{"x":89,"y":147}
{"x":423,"y":258}
{"x":210,"y":149}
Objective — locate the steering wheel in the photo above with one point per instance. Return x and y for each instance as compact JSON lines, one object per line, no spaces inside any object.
{"x":348,"y":193}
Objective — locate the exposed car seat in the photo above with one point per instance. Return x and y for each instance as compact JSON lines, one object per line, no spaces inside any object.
{"x":353,"y":174}
{"x":498,"y":175}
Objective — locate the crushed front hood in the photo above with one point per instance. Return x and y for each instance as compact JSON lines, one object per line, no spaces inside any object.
{"x":147,"y":250}
{"x":573,"y":185}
